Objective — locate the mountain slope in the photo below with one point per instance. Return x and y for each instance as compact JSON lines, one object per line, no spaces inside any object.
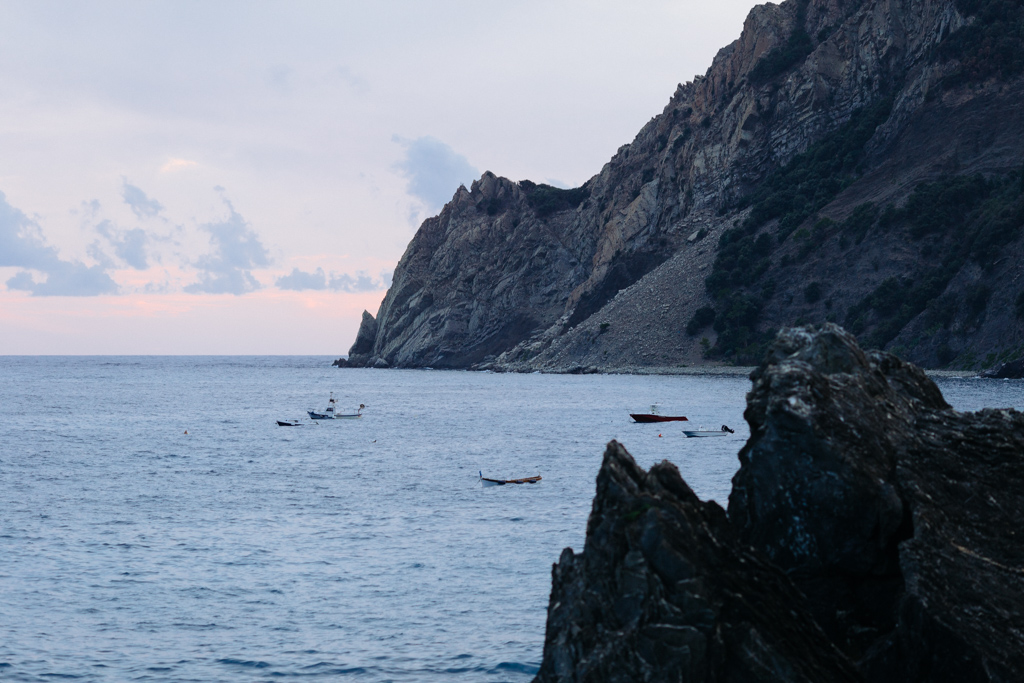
{"x":787,"y":185}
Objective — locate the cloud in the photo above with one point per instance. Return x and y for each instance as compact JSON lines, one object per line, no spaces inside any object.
{"x":142,"y":206}
{"x":353,"y":80}
{"x":21,"y":243}
{"x":298,"y":280}
{"x":360,"y":283}
{"x":236,"y":251}
{"x":22,"y":246}
{"x":66,"y":278}
{"x":433,"y":170}
{"x":129,"y":245}
{"x":176,"y":165}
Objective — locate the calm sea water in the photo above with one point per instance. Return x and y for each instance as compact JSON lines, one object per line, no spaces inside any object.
{"x":130,"y":550}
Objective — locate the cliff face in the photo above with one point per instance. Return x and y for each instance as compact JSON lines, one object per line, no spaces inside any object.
{"x":820,"y":109}
{"x":873,"y":533}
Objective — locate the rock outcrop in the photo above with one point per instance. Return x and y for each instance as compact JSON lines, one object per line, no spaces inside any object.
{"x":663,"y":591}
{"x":518,"y":276}
{"x":896,"y":520}
{"x":359,"y":354}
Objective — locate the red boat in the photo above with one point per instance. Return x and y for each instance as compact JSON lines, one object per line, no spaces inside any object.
{"x":643,"y":417}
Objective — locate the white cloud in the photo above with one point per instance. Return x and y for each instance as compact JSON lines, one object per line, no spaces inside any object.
{"x":298,"y":280}
{"x":176,"y":165}
{"x":141,"y":205}
{"x":66,"y":278}
{"x":129,"y":245}
{"x":237,"y":250}
{"x":433,"y":170}
{"x":22,"y":245}
{"x":362,"y":282}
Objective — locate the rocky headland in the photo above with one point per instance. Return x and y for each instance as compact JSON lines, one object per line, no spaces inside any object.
{"x":855,"y":161}
{"x":873,"y":533}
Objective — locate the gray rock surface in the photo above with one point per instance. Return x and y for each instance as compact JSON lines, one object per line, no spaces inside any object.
{"x":359,"y":354}
{"x":901,"y":519}
{"x":873,"y":533}
{"x":663,"y":591}
{"x":505,"y":279}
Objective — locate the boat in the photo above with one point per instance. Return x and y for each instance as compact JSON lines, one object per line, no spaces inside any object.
{"x":331,"y":413}
{"x":697,"y":433}
{"x":501,"y":482}
{"x":296,"y":423}
{"x":643,"y":417}
{"x":654,"y":417}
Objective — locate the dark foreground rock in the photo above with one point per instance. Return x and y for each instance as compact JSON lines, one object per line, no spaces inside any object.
{"x":864,"y":505}
{"x":664,"y":592}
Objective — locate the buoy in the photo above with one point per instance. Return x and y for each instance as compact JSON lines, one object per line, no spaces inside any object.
{"x":659,"y":436}
{"x":186,"y":431}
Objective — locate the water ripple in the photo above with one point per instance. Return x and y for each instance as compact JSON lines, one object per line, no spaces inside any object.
{"x":366,"y":549}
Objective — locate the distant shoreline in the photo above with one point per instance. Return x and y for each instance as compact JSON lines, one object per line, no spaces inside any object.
{"x":699,"y":370}
{"x":735,"y":370}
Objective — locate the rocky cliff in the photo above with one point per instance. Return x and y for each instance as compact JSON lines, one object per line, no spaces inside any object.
{"x":873,"y":533}
{"x":848,"y":160}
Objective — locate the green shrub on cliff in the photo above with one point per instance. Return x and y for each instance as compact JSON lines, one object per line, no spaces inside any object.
{"x":859,"y":222}
{"x":703,"y":317}
{"x":814,"y":178}
{"x":991,"y":45}
{"x":937,"y":207}
{"x":793,"y":51}
{"x":547,"y":199}
{"x":791,"y":194}
{"x":968,"y":218}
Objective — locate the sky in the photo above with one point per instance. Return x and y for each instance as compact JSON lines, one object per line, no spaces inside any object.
{"x":242,"y":177}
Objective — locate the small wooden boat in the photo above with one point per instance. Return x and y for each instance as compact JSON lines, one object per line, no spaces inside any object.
{"x":288,"y":424}
{"x":697,"y":433}
{"x":501,"y":482}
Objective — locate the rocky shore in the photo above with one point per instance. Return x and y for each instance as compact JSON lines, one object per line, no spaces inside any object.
{"x":873,"y":533}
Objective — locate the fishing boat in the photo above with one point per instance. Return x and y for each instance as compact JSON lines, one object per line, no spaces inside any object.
{"x":501,"y":482}
{"x":282,"y":423}
{"x":331,"y":413}
{"x":653,"y":416}
{"x":697,"y":433}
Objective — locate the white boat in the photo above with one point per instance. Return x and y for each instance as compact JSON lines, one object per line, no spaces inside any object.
{"x":331,"y":413}
{"x":697,"y":433}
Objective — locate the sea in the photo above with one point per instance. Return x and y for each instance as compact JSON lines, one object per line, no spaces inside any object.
{"x":156,"y":524}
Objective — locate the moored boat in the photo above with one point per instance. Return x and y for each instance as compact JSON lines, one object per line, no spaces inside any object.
{"x":697,"y":433}
{"x":331,"y":413}
{"x":644,"y":417}
{"x":501,"y":482}
{"x":653,"y":416}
